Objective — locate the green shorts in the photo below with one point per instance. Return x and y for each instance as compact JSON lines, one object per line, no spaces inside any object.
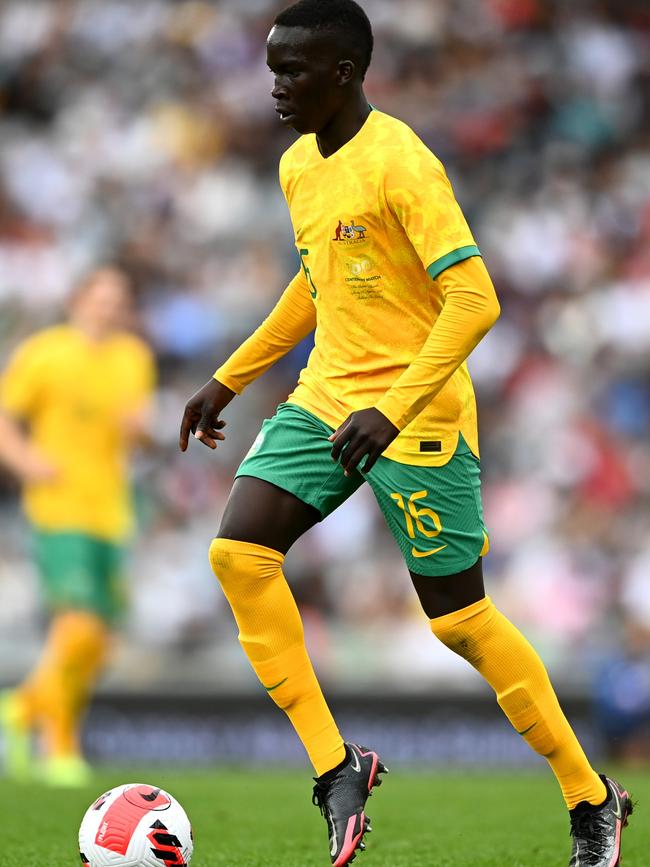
{"x":434,"y":513}
{"x":80,"y":571}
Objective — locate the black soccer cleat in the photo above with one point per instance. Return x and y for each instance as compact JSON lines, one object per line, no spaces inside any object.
{"x":596,"y":831}
{"x":342,"y":800}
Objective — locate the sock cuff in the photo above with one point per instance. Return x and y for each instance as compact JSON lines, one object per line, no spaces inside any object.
{"x":449,"y":621}
{"x":234,"y":546}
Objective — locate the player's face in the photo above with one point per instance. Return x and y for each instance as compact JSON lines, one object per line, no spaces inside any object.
{"x":307,"y":70}
{"x":106,"y":302}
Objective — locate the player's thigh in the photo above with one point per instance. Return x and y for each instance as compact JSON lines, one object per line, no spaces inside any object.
{"x":436,"y":517}
{"x":78,"y":571}
{"x":110,"y":596}
{"x":264,"y":514}
{"x":286,"y":483}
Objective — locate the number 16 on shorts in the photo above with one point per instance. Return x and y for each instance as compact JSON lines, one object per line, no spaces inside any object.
{"x":413,"y":517}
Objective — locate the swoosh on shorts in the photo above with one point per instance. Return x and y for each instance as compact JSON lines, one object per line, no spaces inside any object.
{"x":417,"y":553}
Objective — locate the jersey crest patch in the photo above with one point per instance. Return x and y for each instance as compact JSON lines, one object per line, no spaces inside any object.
{"x":351,"y":232}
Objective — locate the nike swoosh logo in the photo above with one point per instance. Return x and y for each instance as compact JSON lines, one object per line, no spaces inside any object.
{"x":275,"y":685}
{"x":525,"y":731}
{"x":618,"y":812}
{"x":417,"y":553}
{"x":356,"y":766}
{"x":333,"y":837}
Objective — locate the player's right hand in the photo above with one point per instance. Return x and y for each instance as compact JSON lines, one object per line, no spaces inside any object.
{"x":33,"y":468}
{"x":201,"y":416}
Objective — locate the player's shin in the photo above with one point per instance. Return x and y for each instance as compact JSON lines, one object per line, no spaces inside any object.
{"x":271,"y":633}
{"x":500,"y":653}
{"x":56,"y":694}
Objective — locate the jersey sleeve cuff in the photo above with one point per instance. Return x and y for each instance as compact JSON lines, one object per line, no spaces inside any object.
{"x":230,"y":382}
{"x":457,"y":255}
{"x":389,"y":406}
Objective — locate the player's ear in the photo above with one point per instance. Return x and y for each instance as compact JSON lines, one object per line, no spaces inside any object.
{"x":345,"y":71}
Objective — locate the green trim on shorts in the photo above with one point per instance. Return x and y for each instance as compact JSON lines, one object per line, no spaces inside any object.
{"x":434,"y":513}
{"x":81,"y":572}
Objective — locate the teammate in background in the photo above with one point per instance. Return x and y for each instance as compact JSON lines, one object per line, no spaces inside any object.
{"x":398,"y":303}
{"x":73,"y":400}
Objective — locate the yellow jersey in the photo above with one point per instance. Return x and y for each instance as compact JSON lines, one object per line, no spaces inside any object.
{"x":76,"y":394}
{"x":377,"y":228}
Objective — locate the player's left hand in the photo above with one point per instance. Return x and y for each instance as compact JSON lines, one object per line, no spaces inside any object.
{"x":365,"y":433}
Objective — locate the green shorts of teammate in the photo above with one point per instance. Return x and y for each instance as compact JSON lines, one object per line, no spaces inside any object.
{"x":79,"y":571}
{"x":434,"y":513}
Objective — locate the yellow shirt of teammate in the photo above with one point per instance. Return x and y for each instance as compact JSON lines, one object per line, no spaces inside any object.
{"x":77,"y":395}
{"x":377,"y":228}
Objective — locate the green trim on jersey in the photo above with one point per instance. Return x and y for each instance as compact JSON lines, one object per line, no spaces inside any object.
{"x":452,"y":258}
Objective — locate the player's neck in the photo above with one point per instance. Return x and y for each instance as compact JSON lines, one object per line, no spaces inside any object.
{"x":344,"y":125}
{"x":90,"y":330}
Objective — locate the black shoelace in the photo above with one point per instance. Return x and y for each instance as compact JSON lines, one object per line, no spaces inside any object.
{"x":318,"y":797}
{"x":588,"y":828}
{"x":321,"y":790}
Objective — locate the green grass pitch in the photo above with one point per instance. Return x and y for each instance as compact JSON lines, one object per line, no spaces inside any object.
{"x":244,"y":818}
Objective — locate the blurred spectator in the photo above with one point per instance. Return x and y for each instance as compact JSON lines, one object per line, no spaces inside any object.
{"x":622,"y":695}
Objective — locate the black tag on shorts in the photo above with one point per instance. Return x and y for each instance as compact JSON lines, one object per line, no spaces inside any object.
{"x":430,"y":446}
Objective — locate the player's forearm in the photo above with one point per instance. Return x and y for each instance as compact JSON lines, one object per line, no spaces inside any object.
{"x":256,"y":355}
{"x":13,"y":444}
{"x":470,"y":309}
{"x":290,"y":321}
{"x":16,"y":452}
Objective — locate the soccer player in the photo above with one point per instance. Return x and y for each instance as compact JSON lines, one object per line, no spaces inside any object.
{"x":394,"y":285}
{"x":73,"y":399}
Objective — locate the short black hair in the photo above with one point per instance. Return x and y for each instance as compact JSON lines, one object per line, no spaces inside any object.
{"x":345,"y":17}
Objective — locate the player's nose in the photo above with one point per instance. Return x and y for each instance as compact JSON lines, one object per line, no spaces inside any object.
{"x":279,"y":90}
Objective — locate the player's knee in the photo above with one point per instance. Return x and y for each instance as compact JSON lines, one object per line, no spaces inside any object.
{"x":241,"y":563}
{"x":221,"y":559}
{"x":520,"y":707}
{"x":228,"y":564}
{"x":78,"y":630}
{"x":79,"y":641}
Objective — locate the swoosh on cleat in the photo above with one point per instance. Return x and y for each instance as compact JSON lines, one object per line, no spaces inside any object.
{"x":334,"y":843}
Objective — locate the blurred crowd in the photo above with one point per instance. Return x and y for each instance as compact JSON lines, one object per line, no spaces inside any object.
{"x":144,"y":133}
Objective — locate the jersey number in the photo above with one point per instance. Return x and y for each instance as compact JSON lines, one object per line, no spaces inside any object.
{"x":414,"y":515}
{"x":312,"y":289}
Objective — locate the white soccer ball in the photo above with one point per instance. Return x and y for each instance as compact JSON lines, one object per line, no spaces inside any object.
{"x":135,"y":825}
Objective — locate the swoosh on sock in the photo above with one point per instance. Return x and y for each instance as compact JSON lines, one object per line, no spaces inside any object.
{"x":275,"y":685}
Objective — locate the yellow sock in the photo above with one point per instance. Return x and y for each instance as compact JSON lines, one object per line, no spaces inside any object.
{"x":271,"y":633}
{"x":499,"y":652}
{"x":55,"y":696}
